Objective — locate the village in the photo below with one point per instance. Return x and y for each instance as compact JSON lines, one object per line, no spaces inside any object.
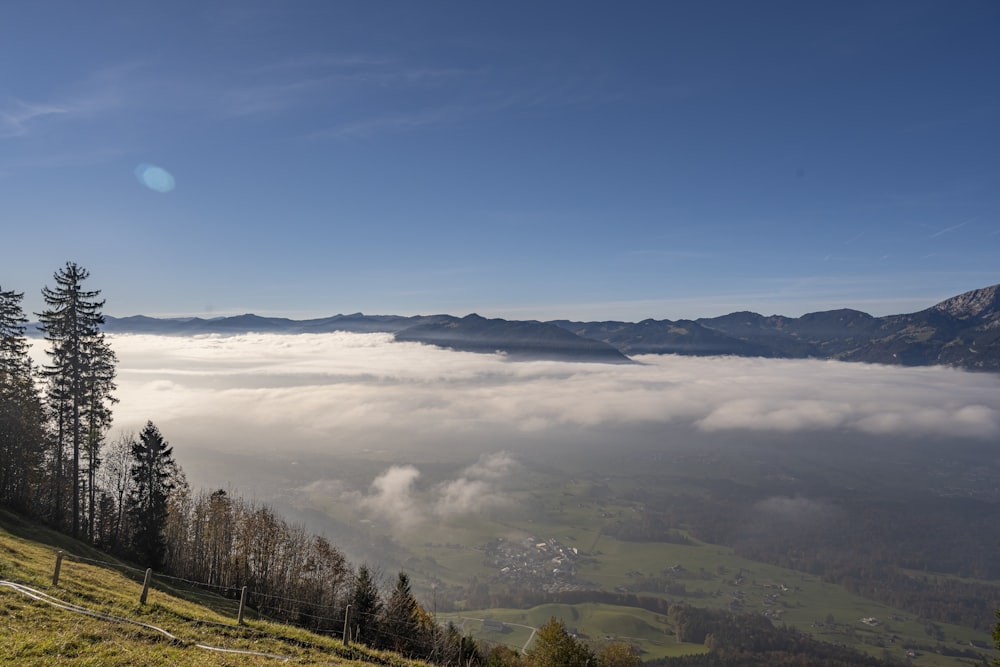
{"x":547,"y":565}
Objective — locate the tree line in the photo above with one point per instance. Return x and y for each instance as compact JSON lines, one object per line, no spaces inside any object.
{"x":54,"y":419}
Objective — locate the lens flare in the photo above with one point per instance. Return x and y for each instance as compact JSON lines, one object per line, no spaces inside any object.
{"x":155,"y":178}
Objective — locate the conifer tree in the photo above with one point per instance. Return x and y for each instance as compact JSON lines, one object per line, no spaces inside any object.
{"x":366,"y":608}
{"x":153,"y":474}
{"x":403,"y":621}
{"x":22,"y":429}
{"x":81,"y":379}
{"x":13,"y":344}
{"x":97,"y":418}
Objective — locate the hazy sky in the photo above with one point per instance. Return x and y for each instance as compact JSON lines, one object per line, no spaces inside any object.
{"x":522,"y":159}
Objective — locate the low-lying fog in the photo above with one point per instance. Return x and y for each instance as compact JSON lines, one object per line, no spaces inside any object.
{"x":237,"y":408}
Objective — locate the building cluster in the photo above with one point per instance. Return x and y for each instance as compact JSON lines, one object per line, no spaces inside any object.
{"x":547,"y":565}
{"x":770,"y":599}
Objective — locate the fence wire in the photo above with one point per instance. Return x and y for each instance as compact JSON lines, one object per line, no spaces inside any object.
{"x":297,"y":612}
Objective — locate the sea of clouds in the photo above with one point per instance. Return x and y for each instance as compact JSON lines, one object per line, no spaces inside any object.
{"x":322,"y":386}
{"x":262,"y":395}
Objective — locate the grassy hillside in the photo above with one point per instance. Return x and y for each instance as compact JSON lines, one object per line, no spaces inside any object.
{"x":36,"y":632}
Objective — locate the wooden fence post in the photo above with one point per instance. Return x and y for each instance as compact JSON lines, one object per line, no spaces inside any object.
{"x":347,"y":618}
{"x":145,"y":586}
{"x":243,"y":604}
{"x":55,"y":575}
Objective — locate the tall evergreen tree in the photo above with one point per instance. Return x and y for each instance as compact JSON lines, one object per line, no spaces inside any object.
{"x":81,"y":379}
{"x":97,"y":418}
{"x":153,"y":475}
{"x":403,"y":624}
{"x":13,"y":344}
{"x":366,"y":608}
{"x":22,"y":429}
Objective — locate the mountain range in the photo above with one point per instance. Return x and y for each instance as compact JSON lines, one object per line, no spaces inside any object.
{"x":963,"y":331}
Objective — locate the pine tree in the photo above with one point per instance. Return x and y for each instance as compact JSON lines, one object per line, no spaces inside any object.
{"x":81,"y":379}
{"x":153,"y":474}
{"x":366,"y":608}
{"x":405,"y":624}
{"x":13,"y":344}
{"x":97,"y":418}
{"x":22,"y":431}
{"x":454,"y":648}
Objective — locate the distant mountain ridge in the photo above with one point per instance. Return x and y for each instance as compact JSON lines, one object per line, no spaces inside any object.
{"x":518,"y":339}
{"x":473,"y":333}
{"x":963,"y":331}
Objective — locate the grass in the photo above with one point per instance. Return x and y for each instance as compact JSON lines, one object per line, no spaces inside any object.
{"x":36,"y":633}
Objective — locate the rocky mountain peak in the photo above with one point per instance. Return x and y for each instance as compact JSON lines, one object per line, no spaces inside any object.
{"x":975,"y":303}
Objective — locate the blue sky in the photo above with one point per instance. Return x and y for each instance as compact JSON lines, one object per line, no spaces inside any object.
{"x":517,"y":159}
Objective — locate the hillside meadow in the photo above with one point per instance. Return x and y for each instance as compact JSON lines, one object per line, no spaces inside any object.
{"x":38,"y":633}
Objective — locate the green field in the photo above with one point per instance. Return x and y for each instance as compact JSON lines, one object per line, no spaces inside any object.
{"x":594,"y":623}
{"x":572,"y":510}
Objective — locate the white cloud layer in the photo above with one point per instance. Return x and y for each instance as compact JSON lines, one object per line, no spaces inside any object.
{"x":322,"y":385}
{"x":265,"y":393}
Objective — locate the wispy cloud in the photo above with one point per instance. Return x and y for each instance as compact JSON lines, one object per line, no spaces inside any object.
{"x":17,"y":116}
{"x":483,"y":94}
{"x":366,"y":94}
{"x":313,"y":84}
{"x":317,"y":81}
{"x":318,"y":60}
{"x":90,"y":156}
{"x":673,"y":254}
{"x":271,"y":97}
{"x":950,"y":229}
{"x":361,"y":129}
{"x":77,"y":126}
